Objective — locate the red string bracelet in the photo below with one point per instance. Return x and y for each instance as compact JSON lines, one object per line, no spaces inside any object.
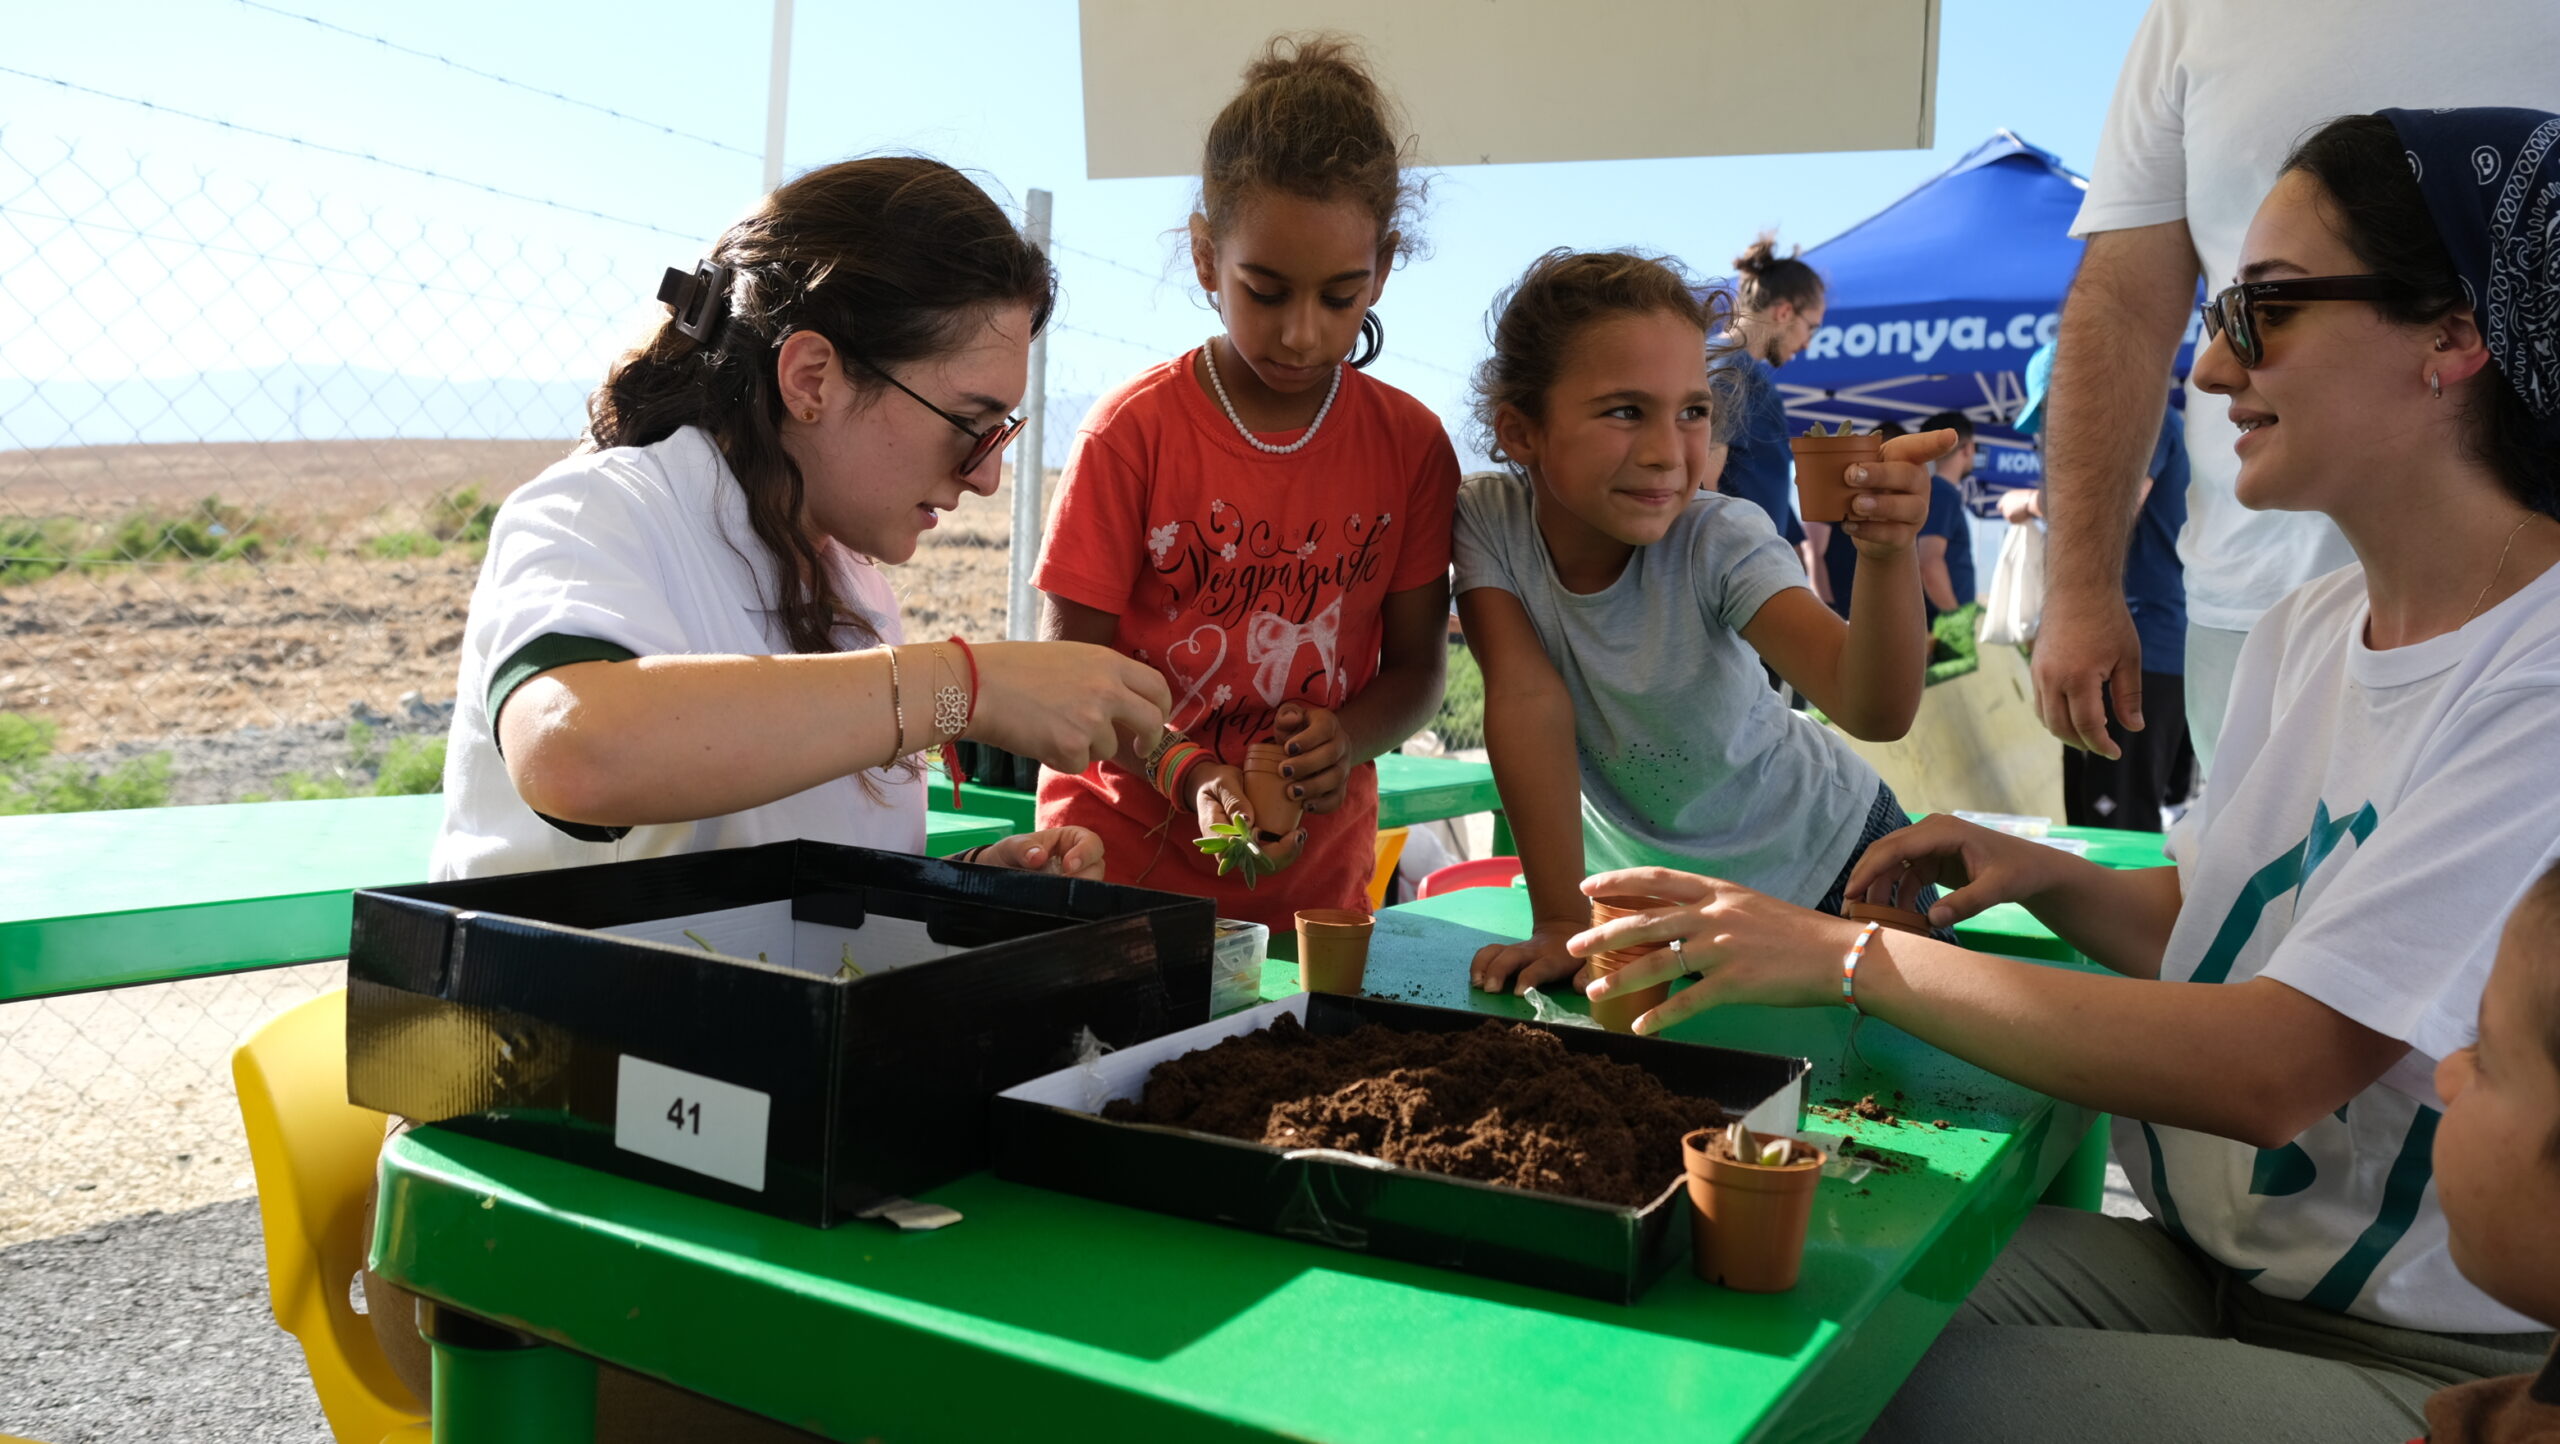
{"x":951,"y":745}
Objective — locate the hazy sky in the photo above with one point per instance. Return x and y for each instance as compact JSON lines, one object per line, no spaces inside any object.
{"x":511,"y":288}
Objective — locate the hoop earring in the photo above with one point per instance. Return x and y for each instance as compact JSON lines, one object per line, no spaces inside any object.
{"x":1373,"y":339}
{"x":2436,"y":385}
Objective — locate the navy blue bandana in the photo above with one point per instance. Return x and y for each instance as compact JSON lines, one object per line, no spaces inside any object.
{"x":2491,"y":178}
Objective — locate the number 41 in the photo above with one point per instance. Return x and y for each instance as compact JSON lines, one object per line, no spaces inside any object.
{"x":677,"y":1110}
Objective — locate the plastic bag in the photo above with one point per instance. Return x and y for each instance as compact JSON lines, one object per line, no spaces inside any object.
{"x":2014,"y":606}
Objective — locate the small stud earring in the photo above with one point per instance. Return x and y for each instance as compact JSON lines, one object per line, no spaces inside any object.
{"x":809,"y":415}
{"x":2441,"y":343}
{"x":2436,"y":385}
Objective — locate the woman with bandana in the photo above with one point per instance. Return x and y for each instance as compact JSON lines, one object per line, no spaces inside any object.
{"x":2280,"y":997}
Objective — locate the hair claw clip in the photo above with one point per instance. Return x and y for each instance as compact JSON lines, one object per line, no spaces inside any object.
{"x":700,"y":301}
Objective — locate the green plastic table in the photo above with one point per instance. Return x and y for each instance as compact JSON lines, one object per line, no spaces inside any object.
{"x":1410,"y":790}
{"x":109,"y":899}
{"x":1044,"y":1315}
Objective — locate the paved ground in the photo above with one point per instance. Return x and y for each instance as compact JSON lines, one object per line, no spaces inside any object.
{"x":150,"y":1328}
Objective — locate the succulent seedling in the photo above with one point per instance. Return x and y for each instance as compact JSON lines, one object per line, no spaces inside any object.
{"x":1232,"y":845}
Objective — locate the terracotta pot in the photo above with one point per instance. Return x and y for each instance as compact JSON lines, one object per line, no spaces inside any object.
{"x":1275,"y":812}
{"x":1822,"y":464}
{"x":1901,"y":920}
{"x":1618,"y":1013}
{"x":1333,"y":949}
{"x":1747,"y":1222}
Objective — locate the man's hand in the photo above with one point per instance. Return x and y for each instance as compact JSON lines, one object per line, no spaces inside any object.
{"x":2086,"y":652}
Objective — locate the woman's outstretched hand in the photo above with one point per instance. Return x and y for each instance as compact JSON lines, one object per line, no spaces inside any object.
{"x":1069,"y":704}
{"x":1740,"y":945}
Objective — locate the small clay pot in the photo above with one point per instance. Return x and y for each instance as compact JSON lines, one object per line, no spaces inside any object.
{"x":1747,"y":1222}
{"x":1901,"y":920}
{"x":1618,"y":1013}
{"x":1275,"y":812}
{"x":1333,"y":949}
{"x":1822,"y":465}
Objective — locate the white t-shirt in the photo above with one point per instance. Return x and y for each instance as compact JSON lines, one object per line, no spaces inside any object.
{"x":2214,"y":95}
{"x":647,"y":548}
{"x":2371,"y":819}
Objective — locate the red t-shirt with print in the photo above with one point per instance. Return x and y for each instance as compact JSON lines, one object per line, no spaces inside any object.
{"x":1248,"y":580}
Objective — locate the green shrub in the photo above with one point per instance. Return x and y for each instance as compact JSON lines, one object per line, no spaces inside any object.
{"x":68,"y":787}
{"x":461,"y":516}
{"x":413,"y":766}
{"x":400,"y":546}
{"x":24,"y":739}
{"x":214,"y":532}
{"x":34,"y":549}
{"x":1460,"y":720}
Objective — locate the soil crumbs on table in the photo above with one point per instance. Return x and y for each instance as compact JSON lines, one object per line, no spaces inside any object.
{"x":1501,"y":1103}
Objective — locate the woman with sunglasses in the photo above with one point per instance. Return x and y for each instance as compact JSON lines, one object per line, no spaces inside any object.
{"x":2278,"y":999}
{"x":682,"y":637}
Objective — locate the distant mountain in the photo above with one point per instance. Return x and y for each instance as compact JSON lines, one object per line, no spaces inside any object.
{"x":285,"y":403}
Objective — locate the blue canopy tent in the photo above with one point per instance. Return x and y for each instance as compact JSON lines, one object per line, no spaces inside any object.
{"x":1937,"y":300}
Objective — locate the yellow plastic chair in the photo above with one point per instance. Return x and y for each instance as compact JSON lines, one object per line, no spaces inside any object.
{"x":1390,"y":852}
{"x":314,"y":1156}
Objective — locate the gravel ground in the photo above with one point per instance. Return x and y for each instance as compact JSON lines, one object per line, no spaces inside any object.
{"x":155,"y":1327}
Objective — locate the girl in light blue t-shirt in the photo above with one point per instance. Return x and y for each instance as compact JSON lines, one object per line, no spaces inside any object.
{"x":1622,"y":617}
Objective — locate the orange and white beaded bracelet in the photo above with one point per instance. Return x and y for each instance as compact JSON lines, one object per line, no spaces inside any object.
{"x":1849,"y":967}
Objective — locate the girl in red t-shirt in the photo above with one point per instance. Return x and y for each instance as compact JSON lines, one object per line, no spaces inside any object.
{"x":1259,"y":521}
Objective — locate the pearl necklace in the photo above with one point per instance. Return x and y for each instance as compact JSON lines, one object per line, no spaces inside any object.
{"x":1209,"y":359}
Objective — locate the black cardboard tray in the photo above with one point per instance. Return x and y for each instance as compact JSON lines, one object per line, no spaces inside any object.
{"x":1049,"y":1132}
{"x":568,"y":1013}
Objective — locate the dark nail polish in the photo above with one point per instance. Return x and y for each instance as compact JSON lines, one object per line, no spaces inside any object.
{"x":1293,"y":749}
{"x":1298,"y":794}
{"x":1288,"y":772}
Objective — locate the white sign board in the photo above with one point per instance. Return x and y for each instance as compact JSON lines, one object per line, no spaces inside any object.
{"x":1498,"y":81}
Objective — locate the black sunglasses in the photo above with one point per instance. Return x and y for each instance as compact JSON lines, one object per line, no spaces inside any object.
{"x":2233,"y":315}
{"x":982,"y":444}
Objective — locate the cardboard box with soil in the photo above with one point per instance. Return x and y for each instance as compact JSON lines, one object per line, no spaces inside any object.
{"x":1369,"y":1125}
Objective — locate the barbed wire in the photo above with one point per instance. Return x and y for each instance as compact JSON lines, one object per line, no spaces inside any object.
{"x":1150,"y":348}
{"x":327,"y":149}
{"x":491,"y":75}
{"x":1144,"y":275}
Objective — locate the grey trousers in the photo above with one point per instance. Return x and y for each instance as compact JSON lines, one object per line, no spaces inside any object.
{"x":2097,"y":1330}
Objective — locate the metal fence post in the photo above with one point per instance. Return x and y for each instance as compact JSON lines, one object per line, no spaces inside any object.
{"x":1030,"y":466}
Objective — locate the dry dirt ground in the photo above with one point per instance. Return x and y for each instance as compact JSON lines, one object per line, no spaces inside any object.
{"x":134,"y":654}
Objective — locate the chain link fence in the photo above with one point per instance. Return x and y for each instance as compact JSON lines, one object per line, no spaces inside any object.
{"x":251,"y":441}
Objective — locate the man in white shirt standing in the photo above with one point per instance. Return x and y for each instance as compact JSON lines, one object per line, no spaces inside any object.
{"x":2212,"y":97}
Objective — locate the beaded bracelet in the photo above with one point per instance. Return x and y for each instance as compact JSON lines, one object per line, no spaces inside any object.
{"x":1849,"y":967}
{"x":897,"y":708}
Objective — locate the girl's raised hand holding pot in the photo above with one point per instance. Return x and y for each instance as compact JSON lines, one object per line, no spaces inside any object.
{"x":1888,"y":501}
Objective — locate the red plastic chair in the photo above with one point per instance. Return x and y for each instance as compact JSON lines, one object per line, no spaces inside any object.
{"x":1476,"y":872}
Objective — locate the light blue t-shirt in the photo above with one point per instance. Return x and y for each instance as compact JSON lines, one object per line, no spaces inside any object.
{"x":1688,"y":757}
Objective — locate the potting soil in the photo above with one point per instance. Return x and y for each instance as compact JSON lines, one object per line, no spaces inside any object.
{"x":1501,"y":1103}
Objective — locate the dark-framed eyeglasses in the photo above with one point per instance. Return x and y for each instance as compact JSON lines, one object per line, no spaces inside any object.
{"x":2233,"y":314}
{"x":982,"y":444}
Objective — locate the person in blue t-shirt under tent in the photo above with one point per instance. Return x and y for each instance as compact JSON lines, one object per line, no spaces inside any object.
{"x":2139,"y":790}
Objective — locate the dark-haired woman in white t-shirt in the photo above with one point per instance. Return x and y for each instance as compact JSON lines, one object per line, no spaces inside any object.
{"x":2391,"y":357}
